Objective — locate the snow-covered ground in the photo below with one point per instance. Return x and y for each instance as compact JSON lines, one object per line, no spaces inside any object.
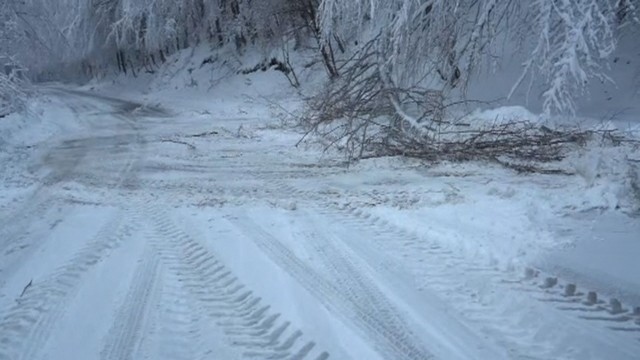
{"x":173,"y":217}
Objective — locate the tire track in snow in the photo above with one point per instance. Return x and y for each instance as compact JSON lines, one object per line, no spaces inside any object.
{"x":25,"y":327}
{"x":347,"y":293}
{"x":448,"y":267}
{"x":129,"y":322}
{"x":601,"y":313}
{"x":251,"y":326}
{"x":567,"y":297}
{"x":438,"y":269}
{"x":413,"y":249}
{"x":365,"y":294}
{"x":177,"y":337}
{"x":65,"y":159}
{"x":13,"y":230}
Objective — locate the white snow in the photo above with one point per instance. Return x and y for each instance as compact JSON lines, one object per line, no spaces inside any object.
{"x":603,"y":253}
{"x":139,"y":222}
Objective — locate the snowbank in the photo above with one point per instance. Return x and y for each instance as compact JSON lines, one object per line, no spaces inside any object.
{"x":43,"y":118}
{"x":503,"y":115}
{"x":201,"y":81}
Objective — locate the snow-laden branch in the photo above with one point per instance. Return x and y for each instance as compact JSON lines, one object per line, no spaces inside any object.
{"x":566,"y":41}
{"x":575,"y":37}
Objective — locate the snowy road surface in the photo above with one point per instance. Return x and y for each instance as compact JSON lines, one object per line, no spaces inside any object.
{"x":144,"y":234}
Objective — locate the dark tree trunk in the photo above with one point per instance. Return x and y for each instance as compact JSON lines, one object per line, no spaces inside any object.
{"x":122,"y":65}
{"x":329,"y":61}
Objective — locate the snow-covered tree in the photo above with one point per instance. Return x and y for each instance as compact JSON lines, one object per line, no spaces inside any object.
{"x":435,"y":43}
{"x":566,"y":41}
{"x":572,"y":40}
{"x":11,"y":92}
{"x":419,"y":37}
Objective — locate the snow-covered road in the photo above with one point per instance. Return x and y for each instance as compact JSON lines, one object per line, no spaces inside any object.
{"x":144,"y":234}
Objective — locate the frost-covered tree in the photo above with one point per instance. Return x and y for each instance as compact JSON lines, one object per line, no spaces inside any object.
{"x":419,"y":37}
{"x":566,"y":41}
{"x":572,"y":40}
{"x":438,"y":44}
{"x":149,"y":30}
{"x":11,"y":90}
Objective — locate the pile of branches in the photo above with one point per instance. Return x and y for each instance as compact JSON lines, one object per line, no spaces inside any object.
{"x":513,"y":140}
{"x":364,"y":114}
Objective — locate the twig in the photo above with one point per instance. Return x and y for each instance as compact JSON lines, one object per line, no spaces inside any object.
{"x":190,"y":146}
{"x":203,"y":134}
{"x":25,"y":288}
{"x":279,"y":106}
{"x":531,"y":169}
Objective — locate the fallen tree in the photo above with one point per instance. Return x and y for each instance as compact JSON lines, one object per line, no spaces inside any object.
{"x":365,"y":114}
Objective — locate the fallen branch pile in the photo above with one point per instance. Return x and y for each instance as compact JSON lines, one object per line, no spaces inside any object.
{"x":364,"y":114}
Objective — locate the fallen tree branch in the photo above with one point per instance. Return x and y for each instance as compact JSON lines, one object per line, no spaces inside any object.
{"x":26,"y":288}
{"x":190,"y":146}
{"x":203,"y":134}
